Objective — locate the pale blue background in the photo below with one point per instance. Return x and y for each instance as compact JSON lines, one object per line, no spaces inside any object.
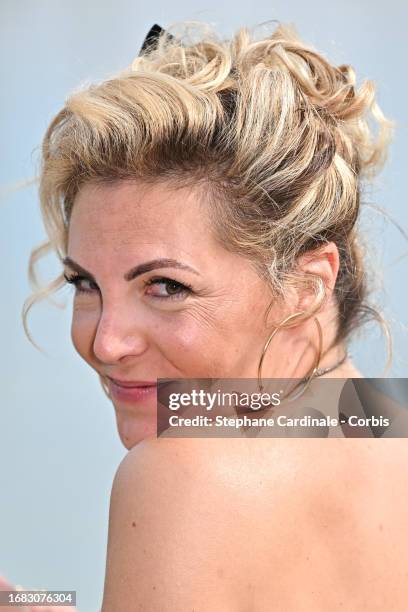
{"x":59,"y":446}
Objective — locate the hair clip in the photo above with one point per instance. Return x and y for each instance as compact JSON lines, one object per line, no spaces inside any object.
{"x":152,"y":37}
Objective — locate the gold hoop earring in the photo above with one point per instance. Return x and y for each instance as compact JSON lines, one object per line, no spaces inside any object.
{"x":313,"y":370}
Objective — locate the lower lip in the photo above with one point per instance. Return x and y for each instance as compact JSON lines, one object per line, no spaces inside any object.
{"x":131,"y":394}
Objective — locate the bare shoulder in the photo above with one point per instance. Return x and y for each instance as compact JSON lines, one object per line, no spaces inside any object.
{"x":170,"y":521}
{"x":234,"y":524}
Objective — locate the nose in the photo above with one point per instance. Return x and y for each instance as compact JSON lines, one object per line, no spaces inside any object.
{"x":119,"y":335}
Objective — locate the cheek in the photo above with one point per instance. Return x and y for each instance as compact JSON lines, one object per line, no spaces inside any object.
{"x":216,"y":338}
{"x":194,"y":346}
{"x":83,"y":329}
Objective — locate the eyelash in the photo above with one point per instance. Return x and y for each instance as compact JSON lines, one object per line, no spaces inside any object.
{"x":184,"y":288}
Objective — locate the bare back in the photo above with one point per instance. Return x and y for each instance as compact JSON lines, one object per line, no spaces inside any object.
{"x":327,"y":528}
{"x":258,"y":524}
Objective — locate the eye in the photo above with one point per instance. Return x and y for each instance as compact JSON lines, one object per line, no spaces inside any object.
{"x":76,"y":280}
{"x":168,"y":288}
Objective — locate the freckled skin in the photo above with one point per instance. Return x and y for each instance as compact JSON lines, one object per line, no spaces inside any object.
{"x":126,"y":330}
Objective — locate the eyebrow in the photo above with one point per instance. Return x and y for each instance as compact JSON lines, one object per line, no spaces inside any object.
{"x":137,"y":270}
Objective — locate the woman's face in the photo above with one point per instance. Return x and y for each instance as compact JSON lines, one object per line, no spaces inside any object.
{"x":189,"y":309}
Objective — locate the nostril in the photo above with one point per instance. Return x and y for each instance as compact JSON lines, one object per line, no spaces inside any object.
{"x":113,"y":344}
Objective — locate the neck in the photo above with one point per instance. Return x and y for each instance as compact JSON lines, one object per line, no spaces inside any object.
{"x":341,"y":369}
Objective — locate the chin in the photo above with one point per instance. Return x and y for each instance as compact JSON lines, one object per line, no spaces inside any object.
{"x":131,"y":432}
{"x":135,"y":422}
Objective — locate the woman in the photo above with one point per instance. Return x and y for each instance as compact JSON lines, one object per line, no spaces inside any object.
{"x":204,"y":202}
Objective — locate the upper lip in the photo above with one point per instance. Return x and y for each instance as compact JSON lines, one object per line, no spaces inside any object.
{"x":133,"y":383}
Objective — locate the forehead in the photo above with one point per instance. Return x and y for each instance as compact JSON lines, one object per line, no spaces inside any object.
{"x":129,"y":216}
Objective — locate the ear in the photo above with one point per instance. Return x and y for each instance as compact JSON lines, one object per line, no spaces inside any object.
{"x":323,"y":261}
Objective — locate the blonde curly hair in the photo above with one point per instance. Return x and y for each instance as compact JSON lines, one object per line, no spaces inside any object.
{"x":276,"y":136}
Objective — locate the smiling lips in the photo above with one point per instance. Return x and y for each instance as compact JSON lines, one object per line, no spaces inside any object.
{"x":131,"y":391}
{"x":132,"y":383}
